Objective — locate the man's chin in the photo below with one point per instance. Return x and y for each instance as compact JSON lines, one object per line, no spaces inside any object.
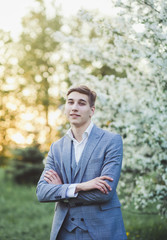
{"x":75,"y":123}
{"x":78,"y":124}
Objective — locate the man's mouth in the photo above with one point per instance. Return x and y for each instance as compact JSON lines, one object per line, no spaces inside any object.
{"x":74,"y":115}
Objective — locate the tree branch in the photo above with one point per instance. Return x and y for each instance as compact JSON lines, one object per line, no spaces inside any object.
{"x":148,"y":4}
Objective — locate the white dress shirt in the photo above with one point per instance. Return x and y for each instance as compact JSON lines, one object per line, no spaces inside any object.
{"x":78,"y":148}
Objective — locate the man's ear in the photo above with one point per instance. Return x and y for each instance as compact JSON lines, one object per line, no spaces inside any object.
{"x":92,"y":111}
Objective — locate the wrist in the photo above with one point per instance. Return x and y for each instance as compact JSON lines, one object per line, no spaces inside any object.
{"x":79,"y":188}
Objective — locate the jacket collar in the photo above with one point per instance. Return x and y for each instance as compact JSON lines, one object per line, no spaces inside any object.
{"x":90,"y":146}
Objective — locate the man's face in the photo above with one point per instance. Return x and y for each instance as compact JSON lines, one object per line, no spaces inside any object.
{"x":78,"y":110}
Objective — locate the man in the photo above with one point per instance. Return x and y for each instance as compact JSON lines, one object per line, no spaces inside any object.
{"x":81,"y":174}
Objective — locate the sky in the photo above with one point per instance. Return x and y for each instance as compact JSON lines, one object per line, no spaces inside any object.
{"x":11,"y":11}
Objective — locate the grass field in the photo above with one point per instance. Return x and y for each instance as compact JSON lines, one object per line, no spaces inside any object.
{"x":22,"y":217}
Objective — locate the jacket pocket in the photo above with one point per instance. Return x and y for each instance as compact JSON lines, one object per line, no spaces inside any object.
{"x":109,"y":205}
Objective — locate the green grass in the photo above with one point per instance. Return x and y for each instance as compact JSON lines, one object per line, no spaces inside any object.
{"x":144,"y":227}
{"x":22,"y":217}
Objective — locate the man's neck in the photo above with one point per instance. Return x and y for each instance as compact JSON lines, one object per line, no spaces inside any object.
{"x":78,"y":131}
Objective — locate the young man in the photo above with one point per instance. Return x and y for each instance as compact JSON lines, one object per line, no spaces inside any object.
{"x":81,"y":175}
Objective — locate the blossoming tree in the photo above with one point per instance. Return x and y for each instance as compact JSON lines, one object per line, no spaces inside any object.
{"x":124,"y":58}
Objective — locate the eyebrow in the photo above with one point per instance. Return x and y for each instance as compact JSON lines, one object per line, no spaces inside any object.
{"x":80,"y":100}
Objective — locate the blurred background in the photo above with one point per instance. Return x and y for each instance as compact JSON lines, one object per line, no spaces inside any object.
{"x":118,"y":48}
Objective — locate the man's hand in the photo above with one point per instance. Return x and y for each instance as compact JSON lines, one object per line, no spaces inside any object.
{"x":96,"y":183}
{"x":52,"y":177}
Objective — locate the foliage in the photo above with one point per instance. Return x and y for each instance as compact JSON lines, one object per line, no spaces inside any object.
{"x":41,"y":62}
{"x":8,"y":91}
{"x":125,"y":62}
{"x":26,"y":165}
{"x":31,"y":76}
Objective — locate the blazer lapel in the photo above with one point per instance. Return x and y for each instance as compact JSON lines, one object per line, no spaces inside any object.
{"x":92,"y":142}
{"x":66,"y":159}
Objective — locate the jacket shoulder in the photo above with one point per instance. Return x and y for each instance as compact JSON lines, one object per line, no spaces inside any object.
{"x":58,"y":143}
{"x":107,"y":133}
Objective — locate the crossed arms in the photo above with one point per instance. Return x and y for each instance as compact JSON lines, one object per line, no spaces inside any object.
{"x":99,"y":183}
{"x":99,"y":189}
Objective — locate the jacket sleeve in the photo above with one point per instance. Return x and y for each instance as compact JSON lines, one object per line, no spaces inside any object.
{"x":51,"y":192}
{"x":112,"y":168}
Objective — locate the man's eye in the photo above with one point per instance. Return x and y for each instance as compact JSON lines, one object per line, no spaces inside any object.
{"x":70,"y":102}
{"x":81,"y":103}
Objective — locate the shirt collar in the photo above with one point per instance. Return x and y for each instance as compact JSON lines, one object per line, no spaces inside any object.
{"x":84,"y":135}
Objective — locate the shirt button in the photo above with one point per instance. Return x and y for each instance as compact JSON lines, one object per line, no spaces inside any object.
{"x":82,"y":219}
{"x":72,"y":219}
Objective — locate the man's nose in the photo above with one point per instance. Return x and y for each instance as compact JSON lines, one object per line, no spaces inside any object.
{"x":75,"y":107}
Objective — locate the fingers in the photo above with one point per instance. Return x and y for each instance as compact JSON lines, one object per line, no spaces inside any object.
{"x":107,"y":178}
{"x":47,"y":180}
{"x":52,"y":177}
{"x":102,"y":188}
{"x":48,"y":177}
{"x":102,"y":185}
{"x":106,"y":185}
{"x":54,"y":174}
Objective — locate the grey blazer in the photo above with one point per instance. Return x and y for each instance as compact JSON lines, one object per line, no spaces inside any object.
{"x":102,"y":155}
